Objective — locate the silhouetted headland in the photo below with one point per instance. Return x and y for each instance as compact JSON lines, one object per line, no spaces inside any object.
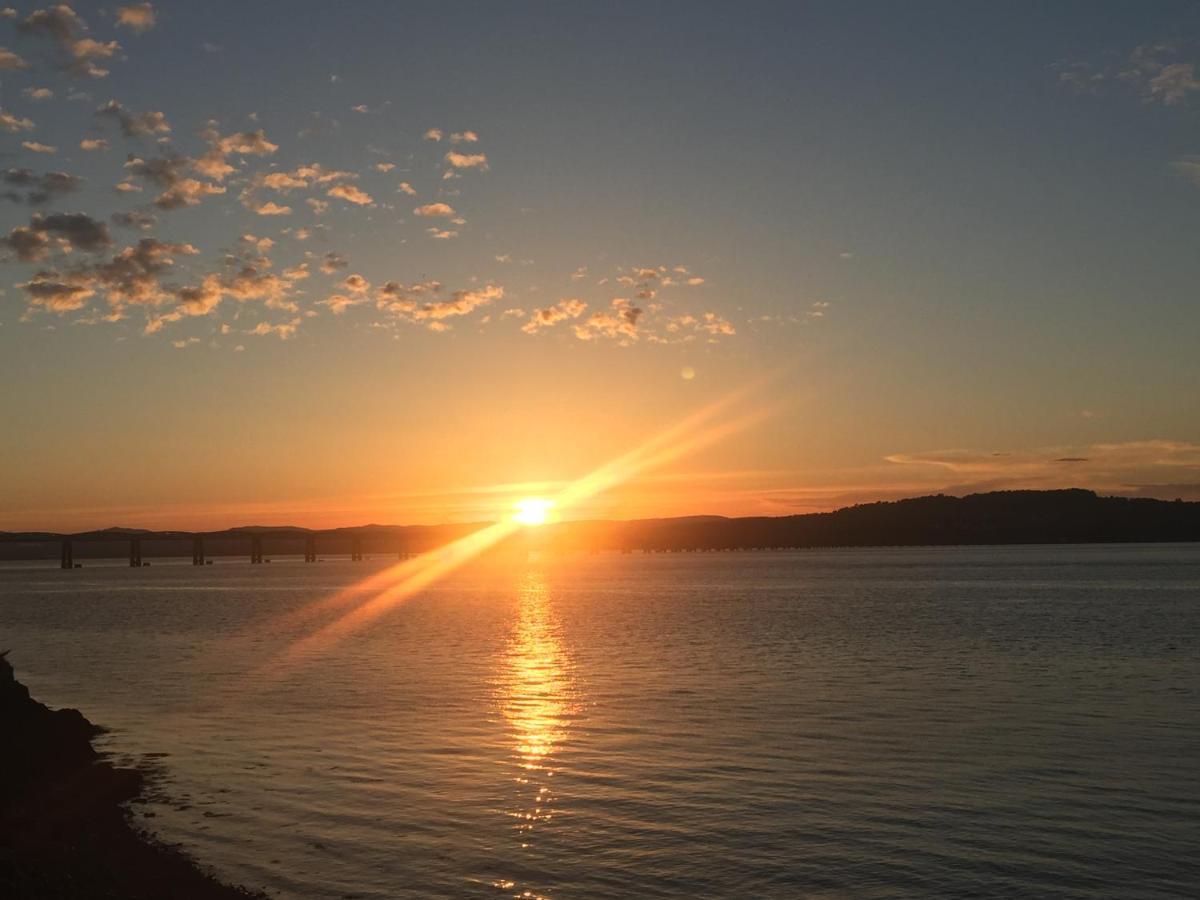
{"x":64,"y":832}
{"x":1071,"y":516}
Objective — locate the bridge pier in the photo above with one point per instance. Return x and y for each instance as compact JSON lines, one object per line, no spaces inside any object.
{"x":310,"y":549}
{"x":256,"y":551}
{"x":197,"y":551}
{"x":135,"y":553}
{"x":68,"y":556}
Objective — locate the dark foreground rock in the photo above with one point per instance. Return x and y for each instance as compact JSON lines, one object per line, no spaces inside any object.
{"x":63,"y":830}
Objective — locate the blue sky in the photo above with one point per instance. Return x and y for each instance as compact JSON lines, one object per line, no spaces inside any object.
{"x":960,"y":230}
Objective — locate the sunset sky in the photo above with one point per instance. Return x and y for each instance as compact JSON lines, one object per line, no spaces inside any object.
{"x":328,"y":264}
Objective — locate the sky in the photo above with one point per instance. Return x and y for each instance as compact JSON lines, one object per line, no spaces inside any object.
{"x":328,"y":264}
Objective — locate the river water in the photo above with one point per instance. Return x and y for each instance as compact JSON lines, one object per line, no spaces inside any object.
{"x":951,"y":722}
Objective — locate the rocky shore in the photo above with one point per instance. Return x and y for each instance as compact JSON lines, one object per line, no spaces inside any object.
{"x":64,"y":829}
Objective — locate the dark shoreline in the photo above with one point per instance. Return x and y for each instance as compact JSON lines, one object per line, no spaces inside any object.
{"x":64,"y":828}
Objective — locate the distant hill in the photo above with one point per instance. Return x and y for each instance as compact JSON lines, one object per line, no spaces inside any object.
{"x":1070,"y":516}
{"x":1001,"y":517}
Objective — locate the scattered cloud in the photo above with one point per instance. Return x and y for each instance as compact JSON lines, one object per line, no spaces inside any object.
{"x":139,"y":17}
{"x":546,"y":317}
{"x":333,"y":262}
{"x":350,"y":194}
{"x":37,"y":147}
{"x":27,"y":186}
{"x":12,"y":124}
{"x":619,"y":323}
{"x":458,"y":160}
{"x":10,"y":61}
{"x":62,"y":232}
{"x":79,"y":54}
{"x":214,"y":163}
{"x":135,"y":125}
{"x":434,"y":209}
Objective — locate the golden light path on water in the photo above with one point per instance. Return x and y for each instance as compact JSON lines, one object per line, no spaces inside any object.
{"x":367,"y":599}
{"x":536,"y":694}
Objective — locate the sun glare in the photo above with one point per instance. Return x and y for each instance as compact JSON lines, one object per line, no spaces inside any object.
{"x":532,"y":511}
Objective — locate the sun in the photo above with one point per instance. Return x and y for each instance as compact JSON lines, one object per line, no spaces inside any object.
{"x":532,"y":510}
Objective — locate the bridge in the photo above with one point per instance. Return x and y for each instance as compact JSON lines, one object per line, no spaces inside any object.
{"x":380,"y":539}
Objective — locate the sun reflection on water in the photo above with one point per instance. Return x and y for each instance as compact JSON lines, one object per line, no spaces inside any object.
{"x":538,"y":700}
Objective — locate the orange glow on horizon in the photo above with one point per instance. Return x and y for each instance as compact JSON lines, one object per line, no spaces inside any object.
{"x":398,"y":583}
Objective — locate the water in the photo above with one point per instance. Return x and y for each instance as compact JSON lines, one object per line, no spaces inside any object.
{"x":949,"y":722}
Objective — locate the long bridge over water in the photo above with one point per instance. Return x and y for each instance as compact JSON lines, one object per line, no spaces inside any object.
{"x":380,"y":539}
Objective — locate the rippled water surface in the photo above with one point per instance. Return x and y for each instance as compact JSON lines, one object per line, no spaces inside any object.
{"x":858,"y":723}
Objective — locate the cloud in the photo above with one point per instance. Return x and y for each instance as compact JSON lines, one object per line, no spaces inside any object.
{"x":283,"y":330}
{"x":249,"y":283}
{"x":36,"y":147}
{"x":132,"y":276}
{"x":1097,"y":462}
{"x":139,"y":17}
{"x":1189,"y":168}
{"x":707,"y":323}
{"x":24,"y":185}
{"x":332,"y":262}
{"x":134,"y":124}
{"x":356,"y":284}
{"x":68,"y":32}
{"x":142,"y":221}
{"x":467,"y":160}
{"x":351,"y":194}
{"x":1160,"y":80}
{"x":434,"y":209}
{"x":1173,"y":83}
{"x":57,"y":231}
{"x":93,"y":144}
{"x":12,"y":124}
{"x":398,"y":298}
{"x":433,"y":134}
{"x":270,"y":208}
{"x":10,"y":61}
{"x":548,"y":316}
{"x":441,"y":234}
{"x":186,"y":192}
{"x":406,"y":188}
{"x":168,"y":172}
{"x":620,"y":323}
{"x":461,"y":303}
{"x":464,"y":137}
{"x":213,"y":164}
{"x":36,"y":94}
{"x":339,"y":303}
{"x":413,"y":302}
